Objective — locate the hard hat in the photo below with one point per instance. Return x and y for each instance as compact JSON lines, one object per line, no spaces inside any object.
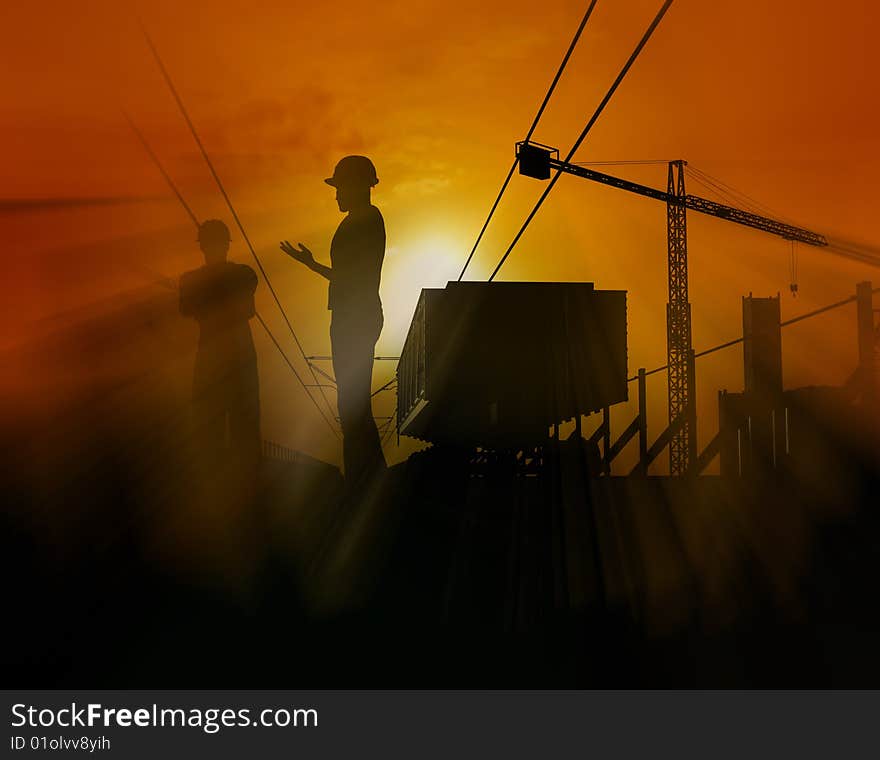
{"x":213,"y":231}
{"x":353,"y":171}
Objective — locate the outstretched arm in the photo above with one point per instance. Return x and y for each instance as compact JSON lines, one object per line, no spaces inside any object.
{"x":304,"y":256}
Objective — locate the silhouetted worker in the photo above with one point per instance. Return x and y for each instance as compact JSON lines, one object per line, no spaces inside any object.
{"x":355,"y":270}
{"x":220,"y":297}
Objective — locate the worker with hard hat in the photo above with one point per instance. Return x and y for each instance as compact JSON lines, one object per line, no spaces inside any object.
{"x":356,"y":255}
{"x":226,"y":391}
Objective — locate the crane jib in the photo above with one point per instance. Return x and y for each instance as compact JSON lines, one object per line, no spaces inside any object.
{"x":694,"y":203}
{"x":787,"y":231}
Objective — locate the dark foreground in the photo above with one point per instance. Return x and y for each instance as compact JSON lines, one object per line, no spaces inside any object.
{"x":486,"y":575}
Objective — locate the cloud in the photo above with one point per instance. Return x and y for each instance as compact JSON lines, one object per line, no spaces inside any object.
{"x":265,"y":140}
{"x":422,"y":187}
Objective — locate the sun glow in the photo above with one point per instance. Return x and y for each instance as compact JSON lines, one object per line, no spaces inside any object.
{"x":428,"y":262}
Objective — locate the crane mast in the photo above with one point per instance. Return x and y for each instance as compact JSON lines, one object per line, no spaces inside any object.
{"x":540,"y":161}
{"x":682,"y":446}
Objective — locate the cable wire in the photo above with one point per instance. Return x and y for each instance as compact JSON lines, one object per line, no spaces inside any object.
{"x":235,"y":216}
{"x":571,"y":47}
{"x":740,"y":197}
{"x":389,"y":430}
{"x":488,"y":218}
{"x":638,"y":162}
{"x":858,"y":253}
{"x":161,"y":168}
{"x":736,"y":198}
{"x":171,"y":184}
{"x":601,"y":107}
{"x":735,"y":341}
{"x":384,"y":387}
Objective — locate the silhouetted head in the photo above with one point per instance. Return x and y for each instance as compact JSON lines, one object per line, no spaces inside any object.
{"x":214,"y":240}
{"x":353,"y":178}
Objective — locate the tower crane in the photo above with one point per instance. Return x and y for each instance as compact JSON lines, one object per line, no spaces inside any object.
{"x":539,"y":161}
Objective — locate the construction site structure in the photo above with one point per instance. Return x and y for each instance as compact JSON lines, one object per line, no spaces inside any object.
{"x":540,"y":161}
{"x":815,"y":433}
{"x":497,"y":364}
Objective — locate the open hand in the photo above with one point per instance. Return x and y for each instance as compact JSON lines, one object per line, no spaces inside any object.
{"x":301,"y":254}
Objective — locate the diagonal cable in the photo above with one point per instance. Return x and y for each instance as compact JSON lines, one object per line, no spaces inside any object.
{"x":161,"y":168}
{"x":232,"y":210}
{"x":601,"y":107}
{"x":571,"y":47}
{"x":174,"y":189}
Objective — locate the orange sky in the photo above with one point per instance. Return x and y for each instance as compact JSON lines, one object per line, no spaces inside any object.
{"x":777,"y":99}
